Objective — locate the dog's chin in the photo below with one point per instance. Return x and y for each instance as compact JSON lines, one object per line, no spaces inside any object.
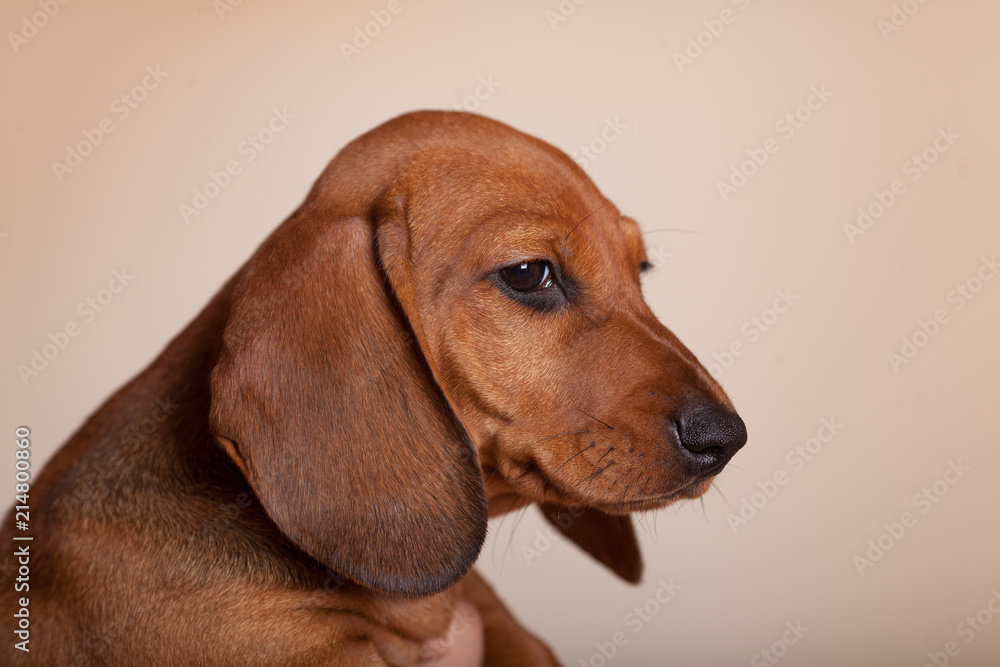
{"x":691,"y":491}
{"x":503,"y":498}
{"x":697,"y":488}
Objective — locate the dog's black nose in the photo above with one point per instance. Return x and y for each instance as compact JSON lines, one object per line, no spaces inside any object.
{"x":711,"y":435}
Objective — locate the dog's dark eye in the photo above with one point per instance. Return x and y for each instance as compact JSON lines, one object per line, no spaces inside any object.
{"x":528,"y":276}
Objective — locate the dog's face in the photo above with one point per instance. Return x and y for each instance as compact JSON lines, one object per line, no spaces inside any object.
{"x":529,"y":296}
{"x":455,"y":317}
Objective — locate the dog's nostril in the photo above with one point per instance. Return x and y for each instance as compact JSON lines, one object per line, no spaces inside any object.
{"x":715,"y":453}
{"x":712,"y":434}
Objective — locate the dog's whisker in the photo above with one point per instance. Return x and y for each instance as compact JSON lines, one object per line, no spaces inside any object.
{"x":716,"y":489}
{"x":585,"y":219}
{"x":548,"y":477}
{"x":643,"y":520}
{"x":676,"y":229}
{"x":554,"y":232}
{"x":496,"y":470}
{"x":596,"y":419}
{"x":647,"y":524}
{"x":621,"y":503}
{"x":549,"y":437}
{"x":517,"y":522}
{"x":589,"y":478}
{"x":499,"y":532}
{"x":611,"y":449}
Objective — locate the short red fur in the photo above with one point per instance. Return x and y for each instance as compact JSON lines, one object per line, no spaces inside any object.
{"x":352,"y":405}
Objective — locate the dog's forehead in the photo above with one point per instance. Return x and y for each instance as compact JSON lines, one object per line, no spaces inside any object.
{"x":491,"y":195}
{"x":603,"y":240}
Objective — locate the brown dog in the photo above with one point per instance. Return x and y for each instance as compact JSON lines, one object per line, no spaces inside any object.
{"x":450,"y":325}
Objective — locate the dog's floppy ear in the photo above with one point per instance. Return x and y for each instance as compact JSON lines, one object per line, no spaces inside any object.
{"x":609,"y":539}
{"x":322,"y":396}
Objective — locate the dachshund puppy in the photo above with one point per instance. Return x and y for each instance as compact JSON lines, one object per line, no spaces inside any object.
{"x":451,"y":326}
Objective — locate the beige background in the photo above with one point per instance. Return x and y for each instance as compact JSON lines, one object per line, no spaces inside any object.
{"x":684,"y":128}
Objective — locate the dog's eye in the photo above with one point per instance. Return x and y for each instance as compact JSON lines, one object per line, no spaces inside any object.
{"x":528,"y":276}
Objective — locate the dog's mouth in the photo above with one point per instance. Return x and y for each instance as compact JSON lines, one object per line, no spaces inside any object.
{"x":531,"y":483}
{"x":690,"y":491}
{"x":713,"y":471}
{"x":509,"y":499}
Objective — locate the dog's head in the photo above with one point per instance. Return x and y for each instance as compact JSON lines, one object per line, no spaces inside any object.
{"x":454,"y":313}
